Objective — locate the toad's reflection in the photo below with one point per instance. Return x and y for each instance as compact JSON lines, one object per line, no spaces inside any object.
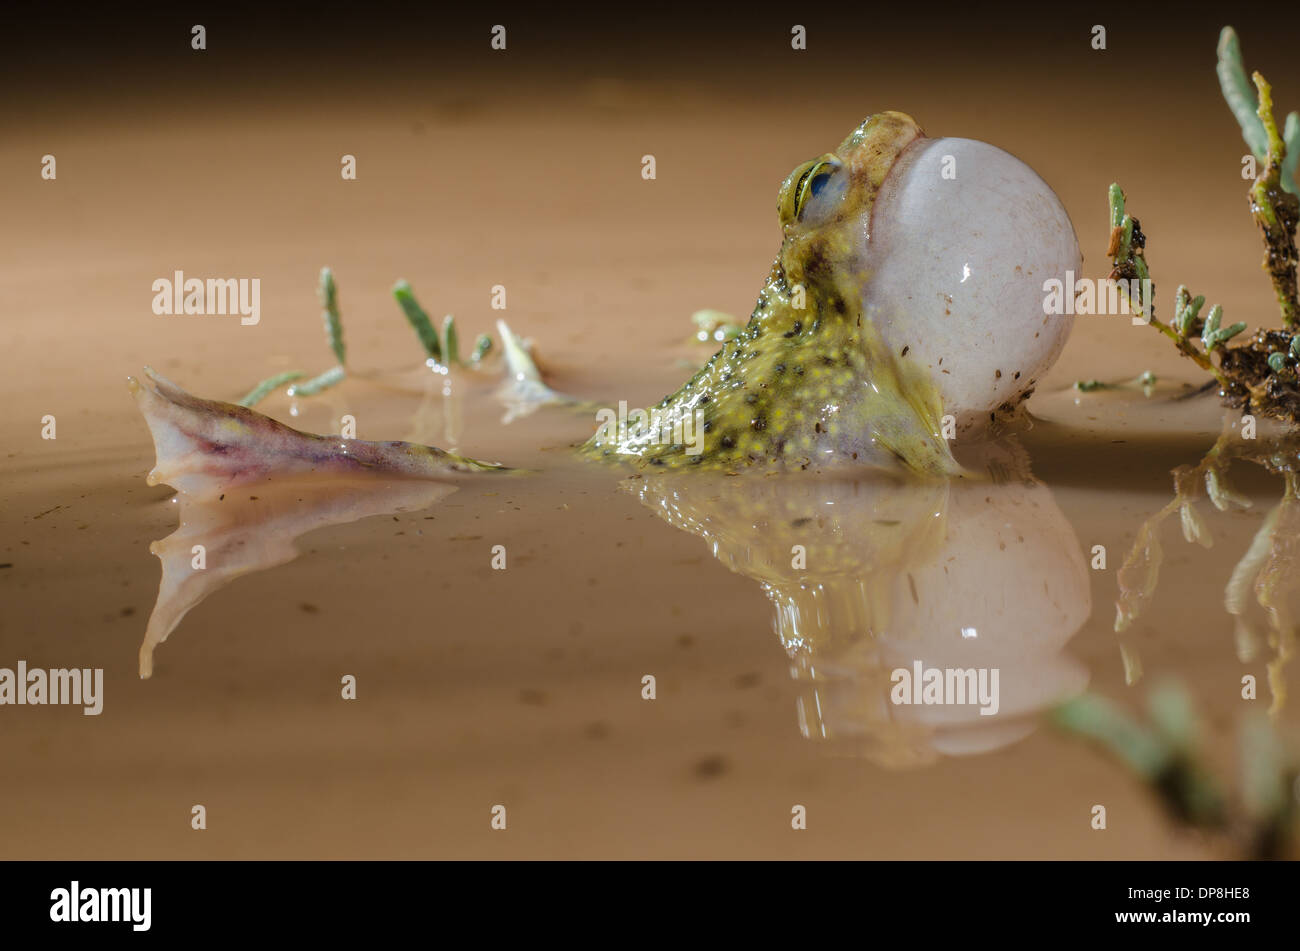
{"x":254,"y":529}
{"x":869,"y":578}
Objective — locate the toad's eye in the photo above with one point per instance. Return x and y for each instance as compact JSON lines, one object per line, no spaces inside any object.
{"x":805,"y":184}
{"x":815,"y":182}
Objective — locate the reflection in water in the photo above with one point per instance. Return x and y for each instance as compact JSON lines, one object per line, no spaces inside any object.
{"x":870,"y":577}
{"x":442,"y":404}
{"x":254,"y":528}
{"x":1267,"y":574}
{"x":1167,"y":753}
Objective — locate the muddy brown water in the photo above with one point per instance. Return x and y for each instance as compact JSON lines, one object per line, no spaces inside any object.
{"x":523,"y":686}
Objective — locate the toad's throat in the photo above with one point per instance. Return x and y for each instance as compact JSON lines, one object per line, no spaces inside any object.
{"x":800,"y":386}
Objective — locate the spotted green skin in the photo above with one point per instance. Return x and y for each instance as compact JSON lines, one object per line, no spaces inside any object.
{"x":808,"y":385}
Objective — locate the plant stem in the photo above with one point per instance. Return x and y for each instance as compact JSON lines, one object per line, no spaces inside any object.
{"x":418,"y":320}
{"x":333,"y":322}
{"x":267,"y":386}
{"x":331,"y":377}
{"x":1276,"y":212}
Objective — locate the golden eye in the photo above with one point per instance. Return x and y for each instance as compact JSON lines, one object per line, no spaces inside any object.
{"x":811,"y":185}
{"x":785,"y":204}
{"x":804,"y":184}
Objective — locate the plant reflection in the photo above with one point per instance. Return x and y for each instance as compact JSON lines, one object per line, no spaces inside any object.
{"x":1258,"y":590}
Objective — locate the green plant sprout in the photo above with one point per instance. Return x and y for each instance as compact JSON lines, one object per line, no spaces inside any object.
{"x":331,"y":377}
{"x":444,"y":349}
{"x":1240,"y":95}
{"x":1258,"y":823}
{"x":1259,"y":375}
{"x":715,"y":326}
{"x":335,"y":375}
{"x":1146,"y":380}
{"x":329,"y":302}
{"x":418,"y":320}
{"x":328,"y":294}
{"x":450,"y":341}
{"x":268,"y":386}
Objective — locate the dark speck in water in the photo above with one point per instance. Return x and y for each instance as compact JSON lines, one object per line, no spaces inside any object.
{"x":734,"y":719}
{"x":711,"y":767}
